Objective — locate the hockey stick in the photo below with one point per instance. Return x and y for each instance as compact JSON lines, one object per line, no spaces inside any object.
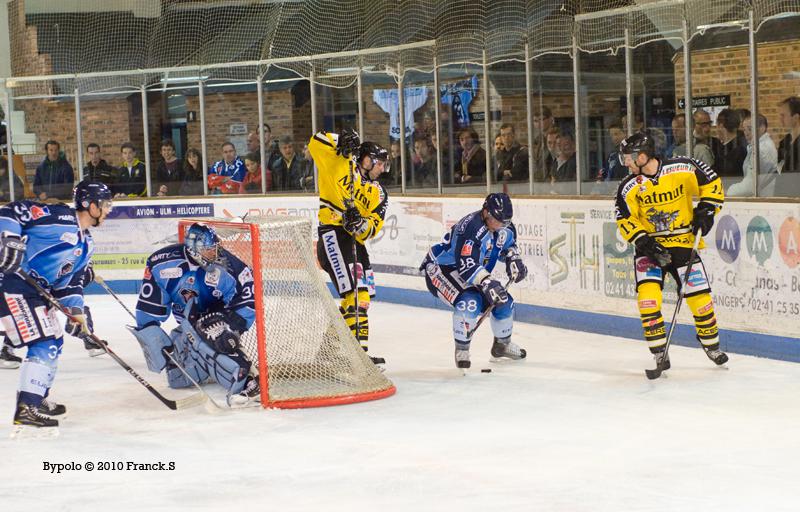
{"x":355,"y":255}
{"x":99,"y":280}
{"x":183,"y":403}
{"x":486,"y":313}
{"x":656,"y":372}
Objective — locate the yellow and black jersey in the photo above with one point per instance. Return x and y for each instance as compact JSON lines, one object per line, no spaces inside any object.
{"x":661,"y":205}
{"x":339,"y":180}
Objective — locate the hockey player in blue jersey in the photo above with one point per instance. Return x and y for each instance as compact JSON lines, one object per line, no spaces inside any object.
{"x":459,"y":271}
{"x":209,"y":291}
{"x":52,"y":244}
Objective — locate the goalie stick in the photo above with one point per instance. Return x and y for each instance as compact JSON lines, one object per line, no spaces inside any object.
{"x":182,"y":403}
{"x":656,"y":372}
{"x":99,"y":280}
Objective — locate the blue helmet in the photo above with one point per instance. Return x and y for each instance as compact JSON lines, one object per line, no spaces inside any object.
{"x":199,"y":240}
{"x":87,"y":192}
{"x":498,"y":205}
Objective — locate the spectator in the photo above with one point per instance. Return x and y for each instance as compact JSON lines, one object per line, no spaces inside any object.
{"x":789,"y":148}
{"x":132,"y":181}
{"x":513,"y":159}
{"x":614,"y":169}
{"x":5,"y":192}
{"x":767,"y":158}
{"x":473,"y":157}
{"x":192,"y":174}
{"x":287,"y":167}
{"x":732,"y":148}
{"x":252,"y":180}
{"x":553,"y":151}
{"x":425,"y":166}
{"x":226,"y":175}
{"x":98,"y":169}
{"x":702,"y":135}
{"x":54,"y":176}
{"x":169,"y":173}
{"x":307,"y":171}
{"x":498,"y":147}
{"x":565,"y":165}
{"x":699,"y":151}
{"x":542,"y":157}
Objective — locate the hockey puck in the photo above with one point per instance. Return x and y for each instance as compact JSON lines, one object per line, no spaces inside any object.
{"x":486,"y":370}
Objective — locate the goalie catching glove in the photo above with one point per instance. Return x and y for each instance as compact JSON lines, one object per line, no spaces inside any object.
{"x":515,"y":268}
{"x":647,"y":246}
{"x":216,"y":331}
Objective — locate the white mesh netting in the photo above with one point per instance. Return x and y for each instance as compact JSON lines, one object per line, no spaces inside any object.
{"x":305,"y":351}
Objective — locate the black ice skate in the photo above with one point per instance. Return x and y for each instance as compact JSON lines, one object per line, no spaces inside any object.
{"x":662,"y":364}
{"x":248,"y":396}
{"x":92,"y":348}
{"x":7,"y":358}
{"x":28,"y":422}
{"x":462,"y":359}
{"x":48,"y":408}
{"x":378,"y":361}
{"x":719,"y":357}
{"x":504,"y":347}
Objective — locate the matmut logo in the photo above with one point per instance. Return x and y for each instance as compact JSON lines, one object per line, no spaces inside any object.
{"x":37,"y":212}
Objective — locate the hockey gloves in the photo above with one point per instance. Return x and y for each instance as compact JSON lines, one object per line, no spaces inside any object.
{"x":352,"y":221}
{"x":214,"y":329}
{"x":493,"y":292}
{"x":12,"y":252}
{"x":88,"y":275}
{"x":515,"y":268}
{"x":703,"y":218}
{"x":349,"y":141}
{"x":647,"y":246}
{"x":81,"y":324}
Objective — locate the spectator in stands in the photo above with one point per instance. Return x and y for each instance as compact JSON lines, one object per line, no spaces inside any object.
{"x":132,"y":181}
{"x":287,"y":167}
{"x":307,"y":171}
{"x":424,"y":163}
{"x":789,"y":148}
{"x":473,"y":157}
{"x":701,"y":121}
{"x":767,"y":159}
{"x":513,"y":159}
{"x":226,"y":175}
{"x":553,"y":151}
{"x":97,"y":169}
{"x":732,"y":148}
{"x":699,"y":151}
{"x":565,"y":165}
{"x":54,"y":176}
{"x":169,"y":173}
{"x":542,"y":157}
{"x":192,"y":184}
{"x":614,"y":169}
{"x":252,"y":179}
{"x":498,"y":148}
{"x":5,"y":191}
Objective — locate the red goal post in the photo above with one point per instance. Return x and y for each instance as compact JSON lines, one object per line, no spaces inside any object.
{"x":305,"y":353}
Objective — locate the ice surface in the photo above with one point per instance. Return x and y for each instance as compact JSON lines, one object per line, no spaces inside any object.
{"x":576,"y":427}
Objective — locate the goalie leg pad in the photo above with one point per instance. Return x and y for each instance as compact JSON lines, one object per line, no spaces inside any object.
{"x":153,"y":340}
{"x":186,"y":356}
{"x":38,"y":371}
{"x":468,"y":308}
{"x":230,"y":371}
{"x":502,"y":319}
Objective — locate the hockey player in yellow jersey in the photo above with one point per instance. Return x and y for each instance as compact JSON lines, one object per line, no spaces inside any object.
{"x":655,"y":212}
{"x":352,"y":207}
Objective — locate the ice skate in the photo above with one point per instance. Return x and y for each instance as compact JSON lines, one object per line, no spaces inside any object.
{"x":249,"y":395}
{"x":30,"y":423}
{"x":48,"y":408}
{"x":7,"y":358}
{"x":506,"y":348}
{"x":462,"y":359}
{"x":716,"y":355}
{"x":92,"y":348}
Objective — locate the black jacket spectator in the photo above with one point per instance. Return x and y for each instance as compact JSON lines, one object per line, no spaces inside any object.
{"x":789,"y":154}
{"x":54,"y":178}
{"x":5,"y":193}
{"x":132,"y":180}
{"x":729,"y":158}
{"x":101,"y":172}
{"x":170,"y":175}
{"x":286,"y":176}
{"x":515,"y":160}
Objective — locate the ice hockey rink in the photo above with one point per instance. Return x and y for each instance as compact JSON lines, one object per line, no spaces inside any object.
{"x":576,"y":427}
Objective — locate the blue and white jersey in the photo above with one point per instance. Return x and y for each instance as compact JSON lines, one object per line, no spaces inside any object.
{"x":472,"y":249}
{"x":172,"y":279}
{"x":58,"y":250}
{"x":387,"y":99}
{"x":236,"y":170}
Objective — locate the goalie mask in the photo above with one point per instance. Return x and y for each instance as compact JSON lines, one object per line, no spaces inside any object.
{"x":202,"y":244}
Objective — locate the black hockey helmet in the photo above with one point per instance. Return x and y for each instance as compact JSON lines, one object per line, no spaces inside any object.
{"x":375,"y":152}
{"x":639,"y":142}
{"x":87,"y":192}
{"x":498,"y":205}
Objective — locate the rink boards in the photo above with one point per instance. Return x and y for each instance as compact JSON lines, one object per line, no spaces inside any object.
{"x":581,"y":272}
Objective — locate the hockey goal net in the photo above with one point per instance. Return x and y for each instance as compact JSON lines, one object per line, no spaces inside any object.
{"x":306,"y":354}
